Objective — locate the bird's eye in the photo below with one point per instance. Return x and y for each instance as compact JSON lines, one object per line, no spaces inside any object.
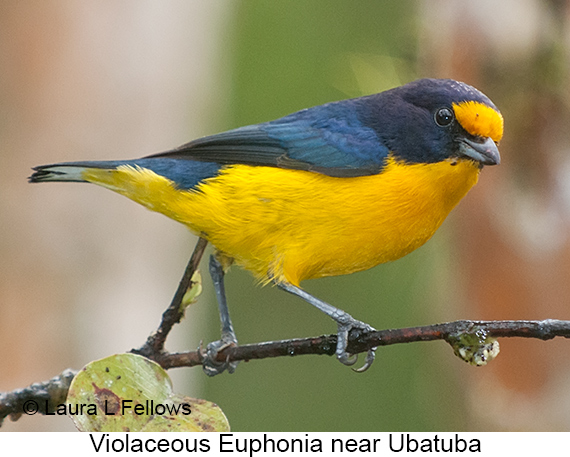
{"x":443,"y":117}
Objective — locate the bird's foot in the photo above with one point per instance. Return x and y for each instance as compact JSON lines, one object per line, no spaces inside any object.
{"x":210,"y":364}
{"x":345,"y":325}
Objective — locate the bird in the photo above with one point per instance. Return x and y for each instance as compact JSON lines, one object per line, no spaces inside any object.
{"x":329,"y":190}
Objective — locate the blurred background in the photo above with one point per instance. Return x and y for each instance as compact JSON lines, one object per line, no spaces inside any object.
{"x":85,"y":273}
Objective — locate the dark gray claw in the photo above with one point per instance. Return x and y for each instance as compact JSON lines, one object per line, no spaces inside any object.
{"x":210,"y":364}
{"x":342,"y":342}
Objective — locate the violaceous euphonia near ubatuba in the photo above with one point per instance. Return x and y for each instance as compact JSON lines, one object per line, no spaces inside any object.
{"x":325,"y":191}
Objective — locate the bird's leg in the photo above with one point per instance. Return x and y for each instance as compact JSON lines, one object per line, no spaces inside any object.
{"x":228,"y":338}
{"x":345,"y":324}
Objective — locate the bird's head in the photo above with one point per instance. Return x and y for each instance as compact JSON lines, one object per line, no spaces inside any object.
{"x":431,"y":120}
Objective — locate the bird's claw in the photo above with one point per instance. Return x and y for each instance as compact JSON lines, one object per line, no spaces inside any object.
{"x":210,"y":364}
{"x":347,"y":359}
{"x":350,"y":359}
{"x":370,"y":356}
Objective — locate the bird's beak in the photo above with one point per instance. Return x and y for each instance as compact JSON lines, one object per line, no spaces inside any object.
{"x":484,"y":151}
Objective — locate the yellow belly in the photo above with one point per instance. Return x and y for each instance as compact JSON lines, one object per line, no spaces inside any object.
{"x":294,"y":225}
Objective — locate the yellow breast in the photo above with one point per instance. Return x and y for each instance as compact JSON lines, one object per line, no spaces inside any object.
{"x":296,"y":225}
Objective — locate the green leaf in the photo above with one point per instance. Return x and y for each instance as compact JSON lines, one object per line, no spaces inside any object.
{"x":128,"y":392}
{"x":194,"y":290}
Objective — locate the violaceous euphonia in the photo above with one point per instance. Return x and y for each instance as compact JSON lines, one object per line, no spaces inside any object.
{"x":325,"y":191}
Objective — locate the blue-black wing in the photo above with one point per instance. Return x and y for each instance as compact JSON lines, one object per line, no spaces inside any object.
{"x":328,"y":139}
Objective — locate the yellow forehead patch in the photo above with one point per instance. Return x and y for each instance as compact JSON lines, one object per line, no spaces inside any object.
{"x":479,"y":119}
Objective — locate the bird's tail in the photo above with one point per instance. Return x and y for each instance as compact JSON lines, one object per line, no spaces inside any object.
{"x":69,"y":171}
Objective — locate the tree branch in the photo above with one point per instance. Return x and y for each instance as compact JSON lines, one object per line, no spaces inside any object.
{"x":41,"y":397}
{"x":474,"y":341}
{"x":54,"y":391}
{"x":154,"y":345}
{"x":326,"y":345}
{"x":471,"y":340}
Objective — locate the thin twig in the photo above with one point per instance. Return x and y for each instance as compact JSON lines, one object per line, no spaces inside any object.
{"x":325,"y":345}
{"x":40,"y":397}
{"x":54,"y":391}
{"x":154,"y":345}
